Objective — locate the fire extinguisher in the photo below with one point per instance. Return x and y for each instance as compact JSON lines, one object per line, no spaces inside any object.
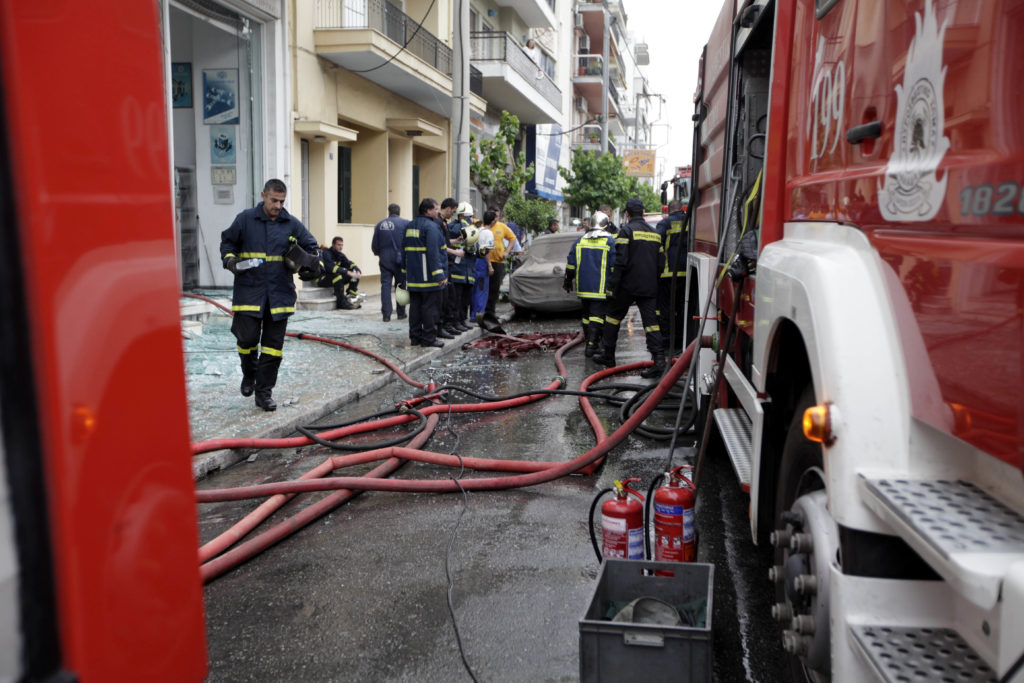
{"x":622,"y":523}
{"x":674,"y":531}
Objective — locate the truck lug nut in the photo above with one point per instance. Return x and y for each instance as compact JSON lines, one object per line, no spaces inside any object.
{"x":794,"y":643}
{"x":780,"y":537}
{"x":781,"y":611}
{"x":775,"y":574}
{"x":802,"y":623}
{"x":792,"y":517}
{"x":801,"y":543}
{"x":806,"y":584}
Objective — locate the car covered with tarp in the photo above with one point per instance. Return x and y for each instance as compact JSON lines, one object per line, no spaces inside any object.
{"x":536,"y":285}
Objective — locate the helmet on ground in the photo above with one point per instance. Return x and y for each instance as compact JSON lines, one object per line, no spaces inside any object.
{"x":465,"y":209}
{"x":599,"y":220}
{"x":402,"y":296}
{"x":470,"y":234}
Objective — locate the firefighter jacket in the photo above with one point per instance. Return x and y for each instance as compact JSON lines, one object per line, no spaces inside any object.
{"x":253,"y":234}
{"x":674,"y":235}
{"x":387,"y":242}
{"x":590,"y":263}
{"x":462,"y":269}
{"x":336,"y":266}
{"x":639,"y":258}
{"x":425,"y":258}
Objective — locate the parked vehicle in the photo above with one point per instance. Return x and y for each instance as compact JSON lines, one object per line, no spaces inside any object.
{"x":858,"y":172}
{"x":537,"y":284}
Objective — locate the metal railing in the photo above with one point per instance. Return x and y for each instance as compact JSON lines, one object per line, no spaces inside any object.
{"x":588,"y":65}
{"x":498,"y":46}
{"x":386,"y":19}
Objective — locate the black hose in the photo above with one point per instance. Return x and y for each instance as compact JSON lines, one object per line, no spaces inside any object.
{"x":629,"y":407}
{"x":593,"y":393}
{"x":647,"y":515}
{"x":397,"y":441}
{"x":590,"y":523}
{"x":373,"y":416}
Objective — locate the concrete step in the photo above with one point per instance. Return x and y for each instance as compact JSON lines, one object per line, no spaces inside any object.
{"x":316,"y":304}
{"x":309,"y":293}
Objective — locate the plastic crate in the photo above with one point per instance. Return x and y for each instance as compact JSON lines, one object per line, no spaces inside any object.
{"x":618,"y":651}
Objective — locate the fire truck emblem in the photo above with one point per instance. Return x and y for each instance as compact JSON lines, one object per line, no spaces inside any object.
{"x":912,"y":191}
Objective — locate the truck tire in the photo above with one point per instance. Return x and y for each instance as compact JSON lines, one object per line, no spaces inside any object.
{"x":797,"y":510}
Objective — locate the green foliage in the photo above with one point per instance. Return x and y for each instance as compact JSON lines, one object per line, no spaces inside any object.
{"x":595,"y":180}
{"x":646,"y":193}
{"x":532,"y":214}
{"x":495,"y":171}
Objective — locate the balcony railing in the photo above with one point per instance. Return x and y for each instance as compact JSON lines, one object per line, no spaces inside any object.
{"x":498,"y":46}
{"x":386,"y":19}
{"x":588,"y":65}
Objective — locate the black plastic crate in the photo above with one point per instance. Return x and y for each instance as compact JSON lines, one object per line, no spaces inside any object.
{"x":619,"y":651}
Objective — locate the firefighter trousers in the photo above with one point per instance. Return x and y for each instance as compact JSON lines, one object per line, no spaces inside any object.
{"x":617,"y":307}
{"x":424,"y":314}
{"x":592,"y":319}
{"x":260,"y":346}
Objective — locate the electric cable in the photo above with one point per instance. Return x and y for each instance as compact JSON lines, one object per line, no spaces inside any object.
{"x":590,"y":523}
{"x":338,"y":446}
{"x":564,"y":132}
{"x":402,"y":49}
{"x":691,"y":390}
{"x":647,"y":514}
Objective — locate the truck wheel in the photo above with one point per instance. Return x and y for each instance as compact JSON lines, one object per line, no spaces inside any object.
{"x":806,"y":540}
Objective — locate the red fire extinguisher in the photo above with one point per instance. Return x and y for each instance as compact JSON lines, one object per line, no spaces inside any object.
{"x":622,"y":523}
{"x":674,"y":532}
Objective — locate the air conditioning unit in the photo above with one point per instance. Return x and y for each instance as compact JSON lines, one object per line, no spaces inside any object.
{"x":581,"y":104}
{"x":583,"y":44}
{"x":579,"y":20}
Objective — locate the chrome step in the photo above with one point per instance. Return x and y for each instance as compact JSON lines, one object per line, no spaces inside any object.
{"x":900,"y":653}
{"x":734,"y":426}
{"x":967,"y":536}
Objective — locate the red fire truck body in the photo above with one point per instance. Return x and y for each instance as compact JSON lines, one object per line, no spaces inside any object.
{"x":99,"y":576}
{"x":860,"y":172}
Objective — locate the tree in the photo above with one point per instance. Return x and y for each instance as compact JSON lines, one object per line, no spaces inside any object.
{"x":494,"y":168}
{"x":646,"y":193}
{"x":532,"y":214}
{"x":595,"y":180}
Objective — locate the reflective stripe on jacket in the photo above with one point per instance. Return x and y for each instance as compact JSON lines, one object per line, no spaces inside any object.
{"x":674,"y":240}
{"x":425,"y":260}
{"x":638,"y":259}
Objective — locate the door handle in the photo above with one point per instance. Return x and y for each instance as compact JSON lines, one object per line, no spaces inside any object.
{"x":865,"y":131}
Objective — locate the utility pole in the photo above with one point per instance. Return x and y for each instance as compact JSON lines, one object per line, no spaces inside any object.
{"x":459,"y":121}
{"x":605,"y":76}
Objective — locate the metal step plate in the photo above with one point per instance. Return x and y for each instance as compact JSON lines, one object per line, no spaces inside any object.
{"x":921,"y":654}
{"x":734,"y":426}
{"x":968,"y":537}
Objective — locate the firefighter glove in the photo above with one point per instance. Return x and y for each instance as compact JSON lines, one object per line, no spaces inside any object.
{"x":232,"y":263}
{"x":567,"y":283}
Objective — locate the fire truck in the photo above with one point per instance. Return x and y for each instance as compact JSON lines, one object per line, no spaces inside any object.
{"x":857,"y":246}
{"x":678,"y":186}
{"x":99,"y":579}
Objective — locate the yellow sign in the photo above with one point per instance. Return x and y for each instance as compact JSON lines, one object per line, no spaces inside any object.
{"x":639,"y":162}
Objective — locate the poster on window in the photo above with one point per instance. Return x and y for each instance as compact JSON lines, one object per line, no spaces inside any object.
{"x":220,"y":96}
{"x":222,"y":144}
{"x":181,"y":85}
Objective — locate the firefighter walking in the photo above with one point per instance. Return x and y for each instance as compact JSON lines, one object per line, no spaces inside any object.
{"x":274,"y":245}
{"x":638,"y":260}
{"x":672,"y":280}
{"x":589,"y":268}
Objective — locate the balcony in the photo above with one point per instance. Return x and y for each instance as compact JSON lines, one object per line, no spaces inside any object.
{"x":366,"y":37}
{"x":588,"y":83}
{"x":590,"y":19}
{"x":512,"y":81}
{"x":534,"y":13}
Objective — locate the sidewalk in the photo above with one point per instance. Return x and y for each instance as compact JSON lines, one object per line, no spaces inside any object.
{"x":315,"y":378}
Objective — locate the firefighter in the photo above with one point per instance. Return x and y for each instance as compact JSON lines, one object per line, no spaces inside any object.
{"x":462,"y":270}
{"x":264,"y":295}
{"x":638,"y":260}
{"x":341,"y":274}
{"x":589,"y":269}
{"x":674,"y":241}
{"x":424,"y":247}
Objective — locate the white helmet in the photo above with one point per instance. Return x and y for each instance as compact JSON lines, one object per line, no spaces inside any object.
{"x":465,"y":209}
{"x":470,"y":234}
{"x":402,"y":296}
{"x":599,"y":220}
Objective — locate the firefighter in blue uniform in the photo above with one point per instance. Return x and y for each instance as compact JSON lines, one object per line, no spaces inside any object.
{"x":638,"y":260}
{"x":264,"y":295}
{"x":589,"y":269}
{"x":426,"y":262}
{"x":462,"y":270}
{"x":673,"y":275}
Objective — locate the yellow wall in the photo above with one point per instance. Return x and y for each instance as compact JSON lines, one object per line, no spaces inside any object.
{"x":400,"y":174}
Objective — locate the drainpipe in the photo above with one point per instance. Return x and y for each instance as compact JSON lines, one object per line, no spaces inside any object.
{"x":460,"y":100}
{"x":605,"y":76}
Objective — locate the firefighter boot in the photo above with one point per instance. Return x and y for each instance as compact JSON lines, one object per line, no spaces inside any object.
{"x":604,"y":356}
{"x":249,"y":362}
{"x":266,"y":378}
{"x":593,"y":340}
{"x":656,"y":370}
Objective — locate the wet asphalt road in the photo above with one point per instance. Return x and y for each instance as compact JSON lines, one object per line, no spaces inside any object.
{"x":360,"y":594}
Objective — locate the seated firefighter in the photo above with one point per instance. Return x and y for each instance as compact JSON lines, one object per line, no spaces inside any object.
{"x":341,"y":274}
